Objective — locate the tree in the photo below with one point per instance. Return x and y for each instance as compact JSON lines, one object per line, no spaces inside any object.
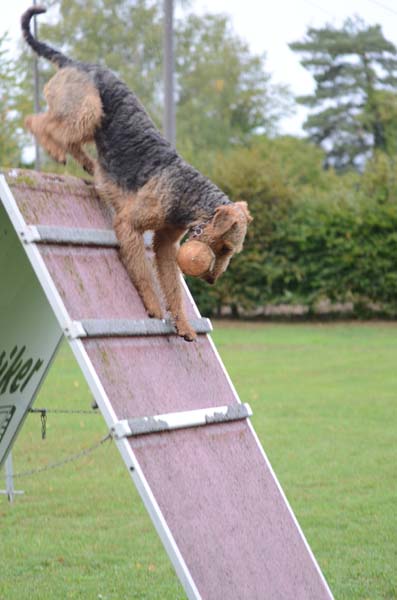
{"x":352,"y":67}
{"x":383,"y":120}
{"x":9,"y":140}
{"x":223,"y":92}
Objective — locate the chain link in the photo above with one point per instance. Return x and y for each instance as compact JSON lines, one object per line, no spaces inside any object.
{"x":73,"y":457}
{"x":58,"y":411}
{"x":43,"y":424}
{"x":62,"y":411}
{"x":65,"y":461}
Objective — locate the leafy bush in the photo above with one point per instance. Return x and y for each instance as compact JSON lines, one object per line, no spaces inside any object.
{"x":315,"y":236}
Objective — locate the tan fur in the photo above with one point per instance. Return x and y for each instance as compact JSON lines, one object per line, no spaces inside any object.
{"x":166,"y":245}
{"x":225,"y":235}
{"x":74,"y":112}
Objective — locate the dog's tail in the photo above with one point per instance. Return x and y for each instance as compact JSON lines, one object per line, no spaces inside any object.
{"x":56,"y":57}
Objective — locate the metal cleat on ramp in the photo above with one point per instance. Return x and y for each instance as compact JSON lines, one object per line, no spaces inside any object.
{"x":170,"y":406}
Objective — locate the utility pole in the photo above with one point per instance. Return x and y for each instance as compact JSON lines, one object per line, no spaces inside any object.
{"x":169,"y":68}
{"x":36,"y":93}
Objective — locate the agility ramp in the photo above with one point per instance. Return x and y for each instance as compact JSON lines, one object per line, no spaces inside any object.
{"x":172,"y":410}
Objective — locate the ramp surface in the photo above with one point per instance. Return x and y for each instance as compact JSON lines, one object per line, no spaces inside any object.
{"x":210,"y":490}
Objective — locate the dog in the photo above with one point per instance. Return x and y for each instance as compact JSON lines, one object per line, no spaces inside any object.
{"x":139,"y":172}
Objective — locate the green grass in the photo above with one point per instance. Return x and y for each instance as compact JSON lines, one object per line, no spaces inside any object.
{"x":325,"y":409}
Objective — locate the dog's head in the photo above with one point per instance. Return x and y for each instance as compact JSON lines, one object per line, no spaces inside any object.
{"x":225,"y":235}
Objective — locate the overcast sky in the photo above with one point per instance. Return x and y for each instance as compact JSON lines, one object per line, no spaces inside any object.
{"x":268,"y":26}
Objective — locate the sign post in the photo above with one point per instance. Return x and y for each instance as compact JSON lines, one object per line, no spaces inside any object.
{"x":10,"y":491}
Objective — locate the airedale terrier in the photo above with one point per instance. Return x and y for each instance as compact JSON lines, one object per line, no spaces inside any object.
{"x":138,"y":171}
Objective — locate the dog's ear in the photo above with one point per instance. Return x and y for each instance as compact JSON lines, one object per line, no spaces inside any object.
{"x":224,"y":219}
{"x":244,"y":207}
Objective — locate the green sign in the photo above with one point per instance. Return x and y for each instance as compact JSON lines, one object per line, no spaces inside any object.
{"x":29,"y":334}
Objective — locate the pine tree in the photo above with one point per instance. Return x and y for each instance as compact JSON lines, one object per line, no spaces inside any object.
{"x":352,"y":68}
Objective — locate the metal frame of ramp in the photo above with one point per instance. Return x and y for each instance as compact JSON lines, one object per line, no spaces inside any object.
{"x":174,"y":414}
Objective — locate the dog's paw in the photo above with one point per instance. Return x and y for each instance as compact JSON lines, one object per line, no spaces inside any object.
{"x":59,"y":157}
{"x":89,"y":168}
{"x":155,"y":312}
{"x":184,"y":330}
{"x":190,"y":337}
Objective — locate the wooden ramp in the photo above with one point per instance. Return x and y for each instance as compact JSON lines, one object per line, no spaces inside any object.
{"x":181,"y":430}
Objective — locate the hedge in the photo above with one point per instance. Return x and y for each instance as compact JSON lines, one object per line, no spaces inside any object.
{"x":337,"y":244}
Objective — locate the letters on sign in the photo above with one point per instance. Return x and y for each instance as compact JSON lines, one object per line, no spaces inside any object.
{"x":16,"y":370}
{"x":6,"y":413}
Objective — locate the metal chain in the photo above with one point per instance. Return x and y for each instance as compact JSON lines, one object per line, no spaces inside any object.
{"x":61,"y":411}
{"x":58,"y":411}
{"x":43,"y":424}
{"x":61,"y":463}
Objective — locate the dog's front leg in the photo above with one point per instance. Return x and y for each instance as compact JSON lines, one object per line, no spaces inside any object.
{"x":133,"y":256}
{"x":165,"y":249}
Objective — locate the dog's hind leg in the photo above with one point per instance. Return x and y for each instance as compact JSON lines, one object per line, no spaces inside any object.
{"x":51,"y":135}
{"x":165,"y":247}
{"x":41,"y":126}
{"x":74,"y":113}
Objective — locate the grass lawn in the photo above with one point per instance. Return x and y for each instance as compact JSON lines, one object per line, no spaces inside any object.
{"x":325,"y":408}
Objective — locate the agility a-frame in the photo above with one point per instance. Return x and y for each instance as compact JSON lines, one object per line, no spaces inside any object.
{"x":170,"y":406}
